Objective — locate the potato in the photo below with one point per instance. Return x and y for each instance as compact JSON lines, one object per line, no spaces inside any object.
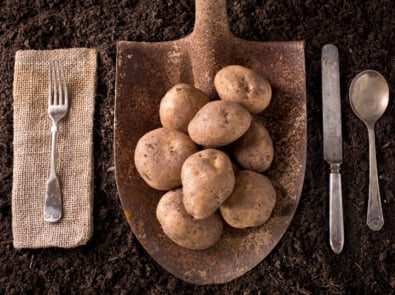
{"x":182,"y":228}
{"x":251,"y":202}
{"x":159,"y":156}
{"x":242,"y":85}
{"x":179,"y":105}
{"x":219,"y":123}
{"x":254,"y":150}
{"x":207,"y":180}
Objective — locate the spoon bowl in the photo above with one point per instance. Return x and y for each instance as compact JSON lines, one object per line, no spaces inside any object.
{"x":369,"y":97}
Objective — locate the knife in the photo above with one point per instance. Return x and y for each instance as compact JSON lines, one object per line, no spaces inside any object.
{"x":332,"y":133}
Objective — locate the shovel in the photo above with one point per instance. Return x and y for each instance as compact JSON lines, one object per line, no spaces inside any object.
{"x":144,"y":72}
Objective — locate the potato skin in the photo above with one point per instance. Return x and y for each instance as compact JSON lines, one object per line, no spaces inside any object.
{"x":182,"y":228}
{"x":254,"y":150}
{"x":251,"y":202}
{"x":245,"y":86}
{"x":207,"y":180}
{"x":219,"y":123}
{"x":159,"y":156}
{"x":179,"y":105}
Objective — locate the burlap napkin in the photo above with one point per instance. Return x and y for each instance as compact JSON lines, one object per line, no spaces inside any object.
{"x":32,"y":148}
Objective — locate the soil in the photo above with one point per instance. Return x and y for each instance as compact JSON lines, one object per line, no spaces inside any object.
{"x":113,"y":261}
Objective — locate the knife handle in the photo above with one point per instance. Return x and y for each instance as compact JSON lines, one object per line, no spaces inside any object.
{"x":336,"y":226}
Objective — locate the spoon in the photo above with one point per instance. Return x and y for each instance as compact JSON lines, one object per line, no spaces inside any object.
{"x":369,"y":95}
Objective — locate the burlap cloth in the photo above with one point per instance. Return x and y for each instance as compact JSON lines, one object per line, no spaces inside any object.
{"x":32,"y":148}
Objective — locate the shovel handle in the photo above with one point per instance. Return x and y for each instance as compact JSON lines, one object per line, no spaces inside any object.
{"x":210,"y":18}
{"x":210,"y":43}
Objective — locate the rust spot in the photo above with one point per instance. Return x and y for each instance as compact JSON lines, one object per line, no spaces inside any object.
{"x":128,"y":215}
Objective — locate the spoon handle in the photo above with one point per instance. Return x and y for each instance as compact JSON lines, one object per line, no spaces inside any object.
{"x":375,"y":219}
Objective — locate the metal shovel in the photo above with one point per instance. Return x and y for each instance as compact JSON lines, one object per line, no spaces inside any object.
{"x":145,"y":71}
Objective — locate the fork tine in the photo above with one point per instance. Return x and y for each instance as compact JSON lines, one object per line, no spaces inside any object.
{"x":65,"y":94}
{"x":59,"y":96}
{"x":54,"y":84}
{"x":51,"y":83}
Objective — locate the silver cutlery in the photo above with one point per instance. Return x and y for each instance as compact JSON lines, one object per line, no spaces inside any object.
{"x":369,"y":96}
{"x":333,"y":149}
{"x":58,"y":105}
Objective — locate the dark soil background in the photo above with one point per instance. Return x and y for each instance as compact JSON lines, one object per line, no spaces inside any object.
{"x":113,"y":261}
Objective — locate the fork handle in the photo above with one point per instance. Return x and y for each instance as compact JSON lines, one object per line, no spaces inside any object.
{"x":54,"y":131}
{"x":53,"y":201}
{"x":53,"y":196}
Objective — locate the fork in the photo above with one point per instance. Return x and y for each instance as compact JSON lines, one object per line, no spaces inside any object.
{"x":58,"y":105}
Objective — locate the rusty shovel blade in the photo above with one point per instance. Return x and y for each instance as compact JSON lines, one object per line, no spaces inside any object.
{"x":145,"y":71}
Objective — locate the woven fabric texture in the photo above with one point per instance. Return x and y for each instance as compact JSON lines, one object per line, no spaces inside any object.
{"x":32,"y":149}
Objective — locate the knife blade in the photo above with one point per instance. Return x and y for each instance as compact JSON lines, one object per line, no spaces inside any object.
{"x":332,"y":141}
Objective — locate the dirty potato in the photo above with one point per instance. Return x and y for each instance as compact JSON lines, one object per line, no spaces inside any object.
{"x":254,"y":150}
{"x":245,"y":86}
{"x":207,"y":180}
{"x":219,"y":123}
{"x":182,"y":228}
{"x":179,"y":105}
{"x":159,"y":156}
{"x":251,"y":202}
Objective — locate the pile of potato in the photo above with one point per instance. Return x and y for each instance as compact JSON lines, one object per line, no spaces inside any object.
{"x":187,"y":158}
